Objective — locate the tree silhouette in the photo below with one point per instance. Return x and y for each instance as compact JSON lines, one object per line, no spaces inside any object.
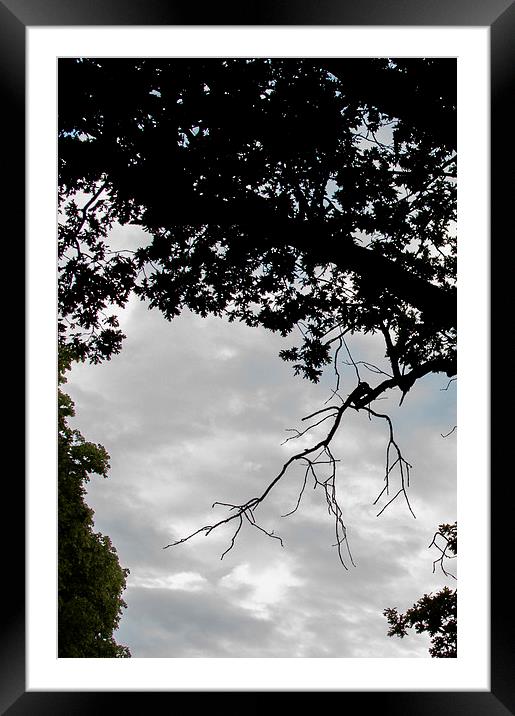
{"x":312,"y":195}
{"x":91,"y":580}
{"x":435,"y":614}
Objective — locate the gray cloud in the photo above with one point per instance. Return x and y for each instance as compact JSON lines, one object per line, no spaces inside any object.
{"x":195,"y":411}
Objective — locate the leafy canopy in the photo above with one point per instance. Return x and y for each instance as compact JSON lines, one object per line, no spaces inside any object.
{"x":316,"y":195}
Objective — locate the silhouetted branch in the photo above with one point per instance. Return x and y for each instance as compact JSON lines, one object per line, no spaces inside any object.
{"x":247,"y":508}
{"x":358,"y":399}
{"x":449,"y":535}
{"x":371,"y":367}
{"x":452,"y":380}
{"x":320,"y":453}
{"x":404,"y":466}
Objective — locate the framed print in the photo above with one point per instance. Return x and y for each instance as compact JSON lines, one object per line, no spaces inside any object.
{"x":268,"y":616}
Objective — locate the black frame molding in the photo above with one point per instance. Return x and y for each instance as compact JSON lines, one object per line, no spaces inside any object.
{"x":499,"y":17}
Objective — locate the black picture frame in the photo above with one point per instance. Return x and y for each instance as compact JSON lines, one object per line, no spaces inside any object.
{"x":499,"y":16}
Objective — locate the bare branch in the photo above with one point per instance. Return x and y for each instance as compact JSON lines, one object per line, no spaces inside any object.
{"x":403,"y":466}
{"x":317,"y":412}
{"x":250,"y":517}
{"x":359,"y":399}
{"x":310,"y":427}
{"x":308,"y":469}
{"x":450,"y":545}
{"x":371,"y":367}
{"x":247,"y":509}
{"x":233,"y":538}
{"x":340,"y":343}
{"x":352,"y":360}
{"x":452,"y":380}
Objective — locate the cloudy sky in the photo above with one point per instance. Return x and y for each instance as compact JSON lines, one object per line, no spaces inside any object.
{"x":196,"y":411}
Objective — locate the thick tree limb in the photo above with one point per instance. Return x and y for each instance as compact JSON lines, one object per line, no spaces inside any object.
{"x":327,"y":244}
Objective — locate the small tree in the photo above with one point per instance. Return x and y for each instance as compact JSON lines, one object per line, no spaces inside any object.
{"x":435,"y":614}
{"x":91,"y":580}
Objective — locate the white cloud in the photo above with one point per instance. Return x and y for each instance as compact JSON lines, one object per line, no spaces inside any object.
{"x":225,"y":353}
{"x":261,"y":589}
{"x":185,"y":581}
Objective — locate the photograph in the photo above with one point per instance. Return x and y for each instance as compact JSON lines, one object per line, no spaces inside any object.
{"x":259,"y":249}
{"x":257,"y":332}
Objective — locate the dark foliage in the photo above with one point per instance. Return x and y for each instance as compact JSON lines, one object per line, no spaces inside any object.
{"x":316,"y":194}
{"x":435,"y":614}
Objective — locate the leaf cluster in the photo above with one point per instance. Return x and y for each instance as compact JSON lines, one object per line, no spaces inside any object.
{"x":435,"y":614}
